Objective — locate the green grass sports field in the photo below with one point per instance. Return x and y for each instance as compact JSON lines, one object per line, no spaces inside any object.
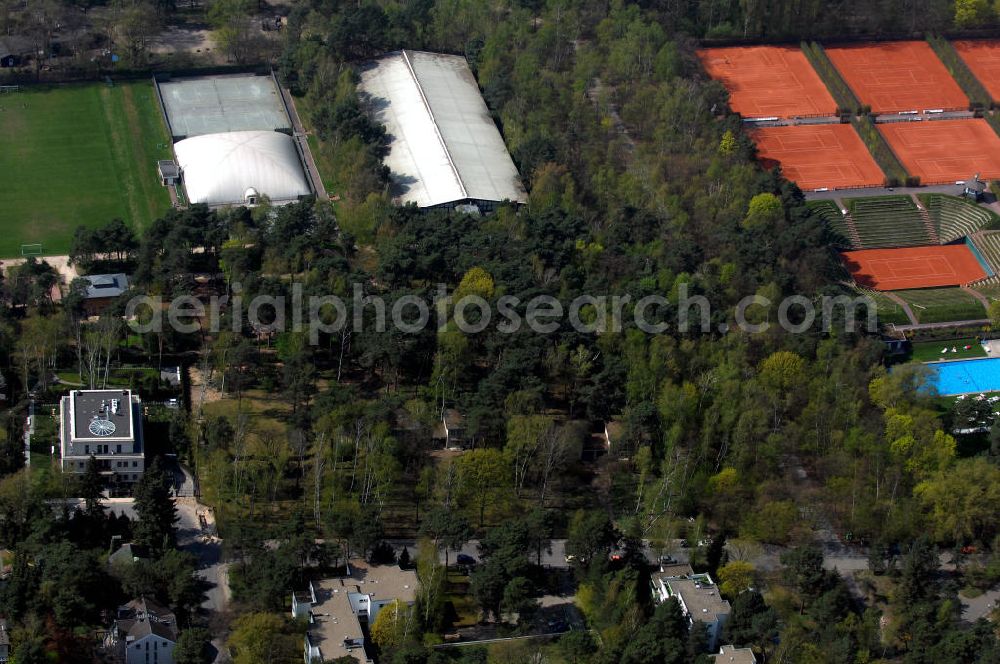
{"x":942,"y":305}
{"x":78,"y":155}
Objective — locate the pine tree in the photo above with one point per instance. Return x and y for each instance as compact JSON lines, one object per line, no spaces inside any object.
{"x":92,"y":489}
{"x":155,"y":508}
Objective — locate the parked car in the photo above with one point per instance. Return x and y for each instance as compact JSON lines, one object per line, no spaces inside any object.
{"x":465,"y":559}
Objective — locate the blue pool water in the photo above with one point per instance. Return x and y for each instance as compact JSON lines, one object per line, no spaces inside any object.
{"x":962,"y":376}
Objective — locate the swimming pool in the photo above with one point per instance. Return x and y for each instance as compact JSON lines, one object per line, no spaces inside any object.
{"x":963,"y":376}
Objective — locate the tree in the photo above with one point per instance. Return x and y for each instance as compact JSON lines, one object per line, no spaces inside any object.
{"x":735,"y":577}
{"x":476,"y":281}
{"x":235,"y":27}
{"x":804,"y":565}
{"x":192,"y":647}
{"x":155,"y":509}
{"x":765,"y":210}
{"x":92,"y":489}
{"x":751,"y":621}
{"x":727,"y":144}
{"x":576,"y":647}
{"x":448,"y":529}
{"x":519,"y":597}
{"x":432,"y":579}
{"x":263,"y":637}
{"x":481,"y":475}
{"x":488,"y":582}
{"x":591,"y":536}
{"x":963,"y":502}
{"x":524,"y":439}
{"x":993,"y":311}
{"x":781,"y":374}
{"x":972,"y":13}
{"x":393,"y":626}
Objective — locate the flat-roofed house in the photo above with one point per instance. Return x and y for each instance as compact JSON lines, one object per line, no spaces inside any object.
{"x":734,"y":655}
{"x":335,"y":608}
{"x":105,"y":424}
{"x":700,"y":601}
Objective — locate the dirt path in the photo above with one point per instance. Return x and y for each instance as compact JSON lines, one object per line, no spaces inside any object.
{"x":60,"y":263}
{"x":979,"y":296}
{"x":201,"y":390}
{"x":903,"y":304}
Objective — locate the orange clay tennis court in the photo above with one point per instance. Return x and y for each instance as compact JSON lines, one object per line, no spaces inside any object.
{"x":768,"y":81}
{"x":817,"y":156}
{"x":913,"y":267}
{"x":945,"y":151}
{"x":983,"y":58}
{"x":892,"y":77}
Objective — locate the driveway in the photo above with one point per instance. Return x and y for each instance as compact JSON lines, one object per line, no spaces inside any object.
{"x":199,"y":538}
{"x":980,"y":607}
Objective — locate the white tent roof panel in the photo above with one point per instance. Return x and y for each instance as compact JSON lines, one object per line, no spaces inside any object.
{"x":219,"y":168}
{"x":444,"y":146}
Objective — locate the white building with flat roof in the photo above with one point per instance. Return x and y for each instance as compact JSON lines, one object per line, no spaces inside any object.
{"x":734,"y":655}
{"x":700,"y":601}
{"x":334,"y":608}
{"x":105,"y":424}
{"x":444,"y":149}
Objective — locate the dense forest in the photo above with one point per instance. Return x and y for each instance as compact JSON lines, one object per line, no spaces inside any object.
{"x":767,"y":452}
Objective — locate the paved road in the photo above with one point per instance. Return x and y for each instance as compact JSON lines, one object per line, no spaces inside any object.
{"x":190,"y":537}
{"x":882,"y":191}
{"x":208,"y":549}
{"x":554,"y":556}
{"x":937,"y":326}
{"x":980,"y":607}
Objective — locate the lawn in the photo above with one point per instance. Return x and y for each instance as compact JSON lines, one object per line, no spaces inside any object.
{"x":930,"y":351}
{"x":78,"y":155}
{"x":889,"y":312}
{"x":941,"y":305}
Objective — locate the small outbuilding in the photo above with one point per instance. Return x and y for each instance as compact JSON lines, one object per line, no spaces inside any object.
{"x":974,"y":188}
{"x":170,"y":174}
{"x":14,"y":49}
{"x":102,"y":290}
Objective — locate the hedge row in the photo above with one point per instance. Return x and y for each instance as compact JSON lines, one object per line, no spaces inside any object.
{"x":847,"y":103}
{"x":978,"y":96}
{"x":886,"y":159}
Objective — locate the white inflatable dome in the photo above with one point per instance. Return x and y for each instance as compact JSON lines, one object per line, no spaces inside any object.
{"x":221,"y":169}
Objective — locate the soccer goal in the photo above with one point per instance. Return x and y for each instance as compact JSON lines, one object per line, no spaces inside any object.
{"x":9,"y":88}
{"x":31,"y":249}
